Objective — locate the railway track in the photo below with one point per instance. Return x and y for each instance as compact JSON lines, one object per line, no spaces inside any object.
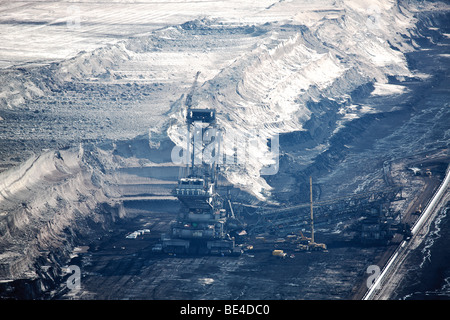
{"x":382,"y":286}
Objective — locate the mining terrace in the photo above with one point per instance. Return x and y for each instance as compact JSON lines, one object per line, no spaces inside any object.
{"x":85,"y":143}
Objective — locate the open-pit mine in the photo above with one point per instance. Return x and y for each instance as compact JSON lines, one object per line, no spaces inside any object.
{"x":224,"y":150}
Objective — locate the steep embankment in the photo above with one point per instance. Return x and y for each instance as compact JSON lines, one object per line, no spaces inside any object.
{"x":266,"y":80}
{"x":48,"y":205}
{"x":305,"y":79}
{"x":278,"y":78}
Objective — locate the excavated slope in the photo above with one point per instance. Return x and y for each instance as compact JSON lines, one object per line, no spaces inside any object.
{"x":47,"y":205}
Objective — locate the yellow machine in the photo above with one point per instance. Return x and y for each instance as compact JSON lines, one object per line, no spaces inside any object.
{"x":279,"y":254}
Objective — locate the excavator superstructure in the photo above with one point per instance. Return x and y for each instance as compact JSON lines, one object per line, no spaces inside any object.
{"x":201,"y":227}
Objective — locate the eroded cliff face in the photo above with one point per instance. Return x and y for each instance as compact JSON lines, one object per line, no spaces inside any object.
{"x":50,"y":204}
{"x":304,"y":79}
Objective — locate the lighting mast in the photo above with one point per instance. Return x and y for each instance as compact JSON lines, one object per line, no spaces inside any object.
{"x":311,"y":203}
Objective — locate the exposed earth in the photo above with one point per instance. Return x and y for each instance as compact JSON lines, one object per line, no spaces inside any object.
{"x":359,"y":97}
